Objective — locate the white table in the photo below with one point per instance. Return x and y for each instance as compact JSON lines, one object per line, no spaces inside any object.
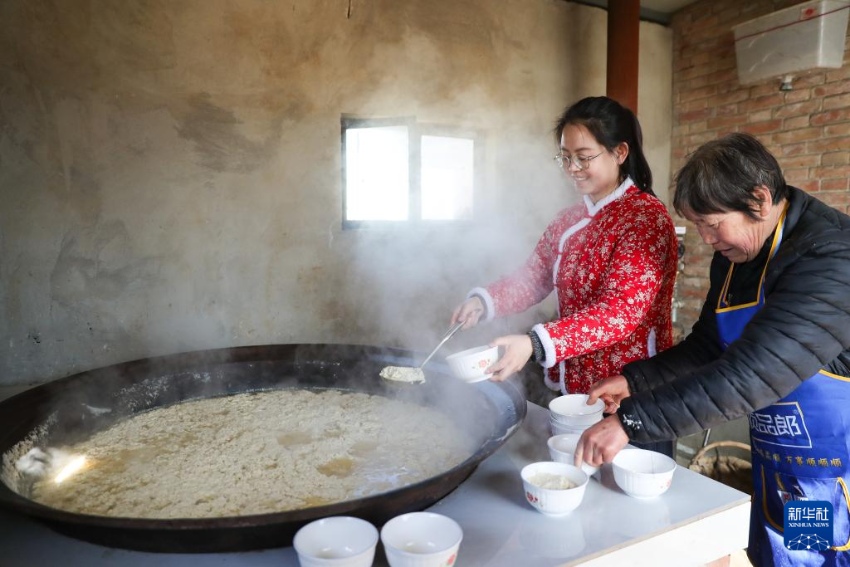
{"x":697,"y":520}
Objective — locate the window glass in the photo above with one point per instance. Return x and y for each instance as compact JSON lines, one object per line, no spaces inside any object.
{"x":446,"y":177}
{"x":377,"y":179}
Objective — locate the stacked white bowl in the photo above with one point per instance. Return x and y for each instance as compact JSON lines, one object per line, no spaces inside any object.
{"x":571,"y":414}
{"x":562,"y":449}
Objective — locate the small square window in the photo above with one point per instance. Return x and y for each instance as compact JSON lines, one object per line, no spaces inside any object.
{"x":397,"y":171}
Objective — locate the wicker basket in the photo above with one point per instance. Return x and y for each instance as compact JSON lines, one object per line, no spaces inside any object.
{"x":718,"y":461}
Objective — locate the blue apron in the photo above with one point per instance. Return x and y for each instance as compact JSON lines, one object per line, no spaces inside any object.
{"x":800,"y":449}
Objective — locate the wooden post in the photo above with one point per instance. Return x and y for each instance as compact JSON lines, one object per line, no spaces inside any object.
{"x":623,"y":51}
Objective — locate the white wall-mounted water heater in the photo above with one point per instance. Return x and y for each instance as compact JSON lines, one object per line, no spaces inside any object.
{"x":806,"y":36}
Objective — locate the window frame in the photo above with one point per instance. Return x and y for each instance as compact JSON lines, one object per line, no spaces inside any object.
{"x":415,"y":131}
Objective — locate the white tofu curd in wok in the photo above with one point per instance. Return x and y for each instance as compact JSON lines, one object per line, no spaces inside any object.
{"x":246,"y":454}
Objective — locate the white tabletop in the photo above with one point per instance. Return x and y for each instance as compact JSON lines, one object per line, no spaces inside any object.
{"x":697,"y":520}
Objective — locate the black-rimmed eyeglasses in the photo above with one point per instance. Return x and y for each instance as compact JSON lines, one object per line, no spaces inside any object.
{"x":580,"y":162}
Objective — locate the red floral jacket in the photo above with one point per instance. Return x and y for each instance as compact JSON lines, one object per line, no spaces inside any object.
{"x":613,"y":266}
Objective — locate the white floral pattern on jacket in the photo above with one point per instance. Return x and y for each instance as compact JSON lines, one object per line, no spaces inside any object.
{"x":614,"y":283}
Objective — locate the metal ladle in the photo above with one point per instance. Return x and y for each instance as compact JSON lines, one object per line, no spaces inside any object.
{"x":415,"y":374}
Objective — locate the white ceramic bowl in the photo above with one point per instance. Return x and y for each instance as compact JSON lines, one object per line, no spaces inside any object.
{"x":643,"y":474}
{"x":421,"y":539}
{"x":471,"y":364}
{"x":558,"y":428}
{"x":572,"y":410}
{"x":553,"y":501}
{"x":337,"y":541}
{"x":562,"y":449}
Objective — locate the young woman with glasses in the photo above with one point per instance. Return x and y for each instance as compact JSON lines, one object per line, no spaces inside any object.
{"x":611,"y":259}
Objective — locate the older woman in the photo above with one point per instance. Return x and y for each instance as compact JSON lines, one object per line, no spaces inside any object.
{"x":772,"y":342}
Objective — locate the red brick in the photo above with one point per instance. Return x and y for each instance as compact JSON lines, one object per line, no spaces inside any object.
{"x":827,"y":144}
{"x":800,"y":135}
{"x":711,"y":35}
{"x":725,"y":78}
{"x":694,"y":115}
{"x":832,"y":88}
{"x":696,"y":127}
{"x":762,"y":102}
{"x":808,"y":80}
{"x":837,"y":130}
{"x":693,"y":94}
{"x":755,"y":9}
{"x":798,"y":95}
{"x":736,"y":96}
{"x":771,"y":147}
{"x":699,"y":259}
{"x":837,"y":184}
{"x":793,"y":149}
{"x":679,"y":153}
{"x":727,"y":87}
{"x":761,"y":115}
{"x":728,"y":15}
{"x":707,"y":21}
{"x":761,"y":90}
{"x":831,"y":172}
{"x":689,"y":77}
{"x":702,"y":59}
{"x":759,"y":128}
{"x":726,"y":110}
{"x":692,"y":291}
{"x":838,"y":199}
{"x":831,"y":116}
{"x":837,"y":101}
{"x":797,"y":109}
{"x":694,"y":105}
{"x":804,"y":183}
{"x":837,"y":74}
{"x":695,"y":140}
{"x":726,"y":122}
{"x":796,"y":175}
{"x":796,"y":122}
{"x":802,"y":161}
{"x":681,"y":63}
{"x":835,"y":158}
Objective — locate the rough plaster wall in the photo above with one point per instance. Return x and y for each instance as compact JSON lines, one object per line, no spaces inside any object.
{"x":655,"y":104}
{"x":169,"y":171}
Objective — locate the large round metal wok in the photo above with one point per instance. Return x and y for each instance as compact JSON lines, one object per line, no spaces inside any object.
{"x":72,"y":408}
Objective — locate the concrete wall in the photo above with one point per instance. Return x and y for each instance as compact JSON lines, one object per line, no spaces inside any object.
{"x":170,"y":170}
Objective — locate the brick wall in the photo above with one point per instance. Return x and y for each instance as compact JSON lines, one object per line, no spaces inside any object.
{"x":807,"y":128}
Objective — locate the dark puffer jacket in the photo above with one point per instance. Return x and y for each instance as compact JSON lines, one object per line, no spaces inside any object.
{"x":804,"y":326}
